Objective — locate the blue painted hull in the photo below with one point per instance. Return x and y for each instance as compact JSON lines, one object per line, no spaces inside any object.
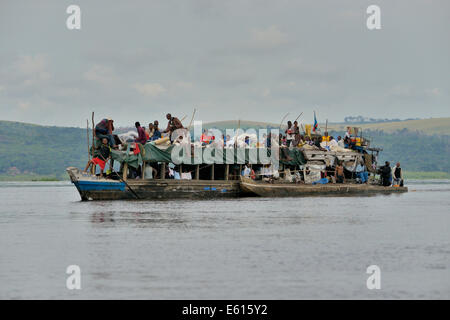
{"x":99,"y":186}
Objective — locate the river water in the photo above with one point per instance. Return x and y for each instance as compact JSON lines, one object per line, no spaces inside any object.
{"x":252,"y":248}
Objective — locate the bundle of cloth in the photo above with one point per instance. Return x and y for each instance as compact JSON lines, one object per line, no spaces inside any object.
{"x":239,"y":140}
{"x":128,"y":137}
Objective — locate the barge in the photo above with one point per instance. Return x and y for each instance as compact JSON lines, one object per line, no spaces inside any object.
{"x":223,"y":178}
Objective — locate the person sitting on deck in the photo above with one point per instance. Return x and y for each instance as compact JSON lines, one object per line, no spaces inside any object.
{"x":248,"y":172}
{"x":332,"y":143}
{"x":361,"y":172}
{"x":397,"y":175}
{"x":149,"y":132}
{"x":156,"y":133}
{"x":301,"y":141}
{"x":318,"y":144}
{"x":339,"y":173}
{"x":102,"y":158}
{"x":142,"y":138}
{"x":173,"y":124}
{"x":348,"y":143}
{"x":308,"y":141}
{"x":104,"y":129}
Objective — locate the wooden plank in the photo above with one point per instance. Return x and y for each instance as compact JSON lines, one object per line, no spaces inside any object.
{"x":125,"y":171}
{"x":227,"y":171}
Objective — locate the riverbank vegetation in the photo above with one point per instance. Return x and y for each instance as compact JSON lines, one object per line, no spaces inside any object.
{"x":31,"y":152}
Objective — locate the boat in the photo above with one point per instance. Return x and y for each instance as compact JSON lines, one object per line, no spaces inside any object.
{"x":286,"y":189}
{"x":95,"y":188}
{"x":222,"y":177}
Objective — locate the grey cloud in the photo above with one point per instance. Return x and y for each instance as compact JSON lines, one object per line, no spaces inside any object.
{"x":230,"y":59}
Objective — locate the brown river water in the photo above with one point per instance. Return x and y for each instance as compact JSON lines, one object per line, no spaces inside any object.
{"x":250,"y":248}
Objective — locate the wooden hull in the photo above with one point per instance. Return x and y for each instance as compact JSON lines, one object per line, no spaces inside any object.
{"x":167,"y":189}
{"x":93,"y":188}
{"x":264,"y":189}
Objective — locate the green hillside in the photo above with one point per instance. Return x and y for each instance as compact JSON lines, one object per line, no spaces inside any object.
{"x":30,"y":151}
{"x":427,"y":126}
{"x":27,"y":149}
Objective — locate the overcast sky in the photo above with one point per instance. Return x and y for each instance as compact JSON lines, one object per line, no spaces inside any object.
{"x":253,"y":60}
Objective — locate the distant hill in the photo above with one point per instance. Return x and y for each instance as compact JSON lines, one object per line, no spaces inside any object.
{"x":28,"y":149}
{"x":243,"y":124}
{"x":427,"y":126}
{"x":34,"y":150}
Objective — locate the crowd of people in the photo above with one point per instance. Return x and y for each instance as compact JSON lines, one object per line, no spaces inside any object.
{"x":291,"y":138}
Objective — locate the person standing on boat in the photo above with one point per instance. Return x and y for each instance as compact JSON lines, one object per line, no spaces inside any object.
{"x":296,"y":131}
{"x":339,"y":173}
{"x":102,"y":158}
{"x":104,"y":129}
{"x":142,"y":138}
{"x":386,"y":174}
{"x":397,"y":175}
{"x":289,"y":134}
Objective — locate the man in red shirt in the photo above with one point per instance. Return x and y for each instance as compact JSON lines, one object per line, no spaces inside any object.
{"x":142,"y":138}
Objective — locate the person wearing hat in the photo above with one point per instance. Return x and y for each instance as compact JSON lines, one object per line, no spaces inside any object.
{"x":104,"y":129}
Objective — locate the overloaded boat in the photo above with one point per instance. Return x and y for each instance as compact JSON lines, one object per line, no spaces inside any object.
{"x":214,"y":175}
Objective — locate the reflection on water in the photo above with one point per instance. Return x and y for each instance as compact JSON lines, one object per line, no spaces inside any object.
{"x":288,"y":248}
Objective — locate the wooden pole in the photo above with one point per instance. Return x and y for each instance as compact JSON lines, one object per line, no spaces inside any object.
{"x":125,"y":172}
{"x":298,"y":116}
{"x":303,"y":128}
{"x":212,"y":171}
{"x":227,"y":171}
{"x":93,"y":128}
{"x":197,"y":172}
{"x":283,"y":120}
{"x":87,"y":136}
{"x":93,"y":141}
{"x":192,"y":118}
{"x":326,"y":130}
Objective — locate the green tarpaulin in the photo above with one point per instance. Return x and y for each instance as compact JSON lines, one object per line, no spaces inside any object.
{"x":152,"y":153}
